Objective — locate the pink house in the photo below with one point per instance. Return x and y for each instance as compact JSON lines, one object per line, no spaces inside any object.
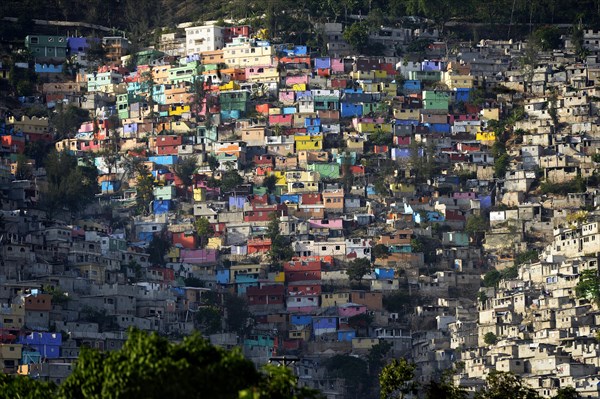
{"x":199,"y":256}
{"x":337,"y":66}
{"x":282,"y":120}
{"x":286,"y":96}
{"x":292,"y":80}
{"x":465,"y":195}
{"x":351,"y":309}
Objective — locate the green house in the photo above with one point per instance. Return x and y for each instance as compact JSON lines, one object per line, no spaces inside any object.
{"x":185,"y":73}
{"x":42,"y":46}
{"x":235,"y":100}
{"x":425,"y":76}
{"x":326,"y":170}
{"x":435,"y":100}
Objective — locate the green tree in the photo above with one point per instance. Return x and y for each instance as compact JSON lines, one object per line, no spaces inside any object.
{"x":397,"y":379}
{"x":280,"y":250}
{"x":158,"y":248}
{"x":66,"y":120}
{"x":476,"y":224}
{"x":23,"y":387}
{"x":213,"y":162}
{"x":270,"y":183}
{"x":376,"y":355}
{"x":444,"y":389}
{"x":144,"y":190}
{"x":547,"y":37}
{"x":501,"y":165}
{"x":490,"y":338}
{"x":208,"y":320}
{"x":230,"y":179}
{"x":380,"y":251}
{"x":357,"y":36}
{"x":352,"y":369}
{"x":204,"y":230}
{"x":588,"y":285}
{"x":23,"y":171}
{"x":567,"y":393}
{"x":148,"y":364}
{"x":357,"y":269}
{"x":379,"y":137}
{"x":238,"y":316}
{"x":492,"y":278}
{"x":185,"y":170}
{"x":501,"y":385}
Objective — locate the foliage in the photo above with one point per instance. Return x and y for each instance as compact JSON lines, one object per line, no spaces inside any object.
{"x":380,"y":251}
{"x":444,"y":389}
{"x":396,"y":379}
{"x":158,"y":248}
{"x":357,"y":35}
{"x":213,"y":162}
{"x":379,"y":137}
{"x":238,"y":315}
{"x":492,"y":278}
{"x":230,"y":179}
{"x":588,"y":285}
{"x":208,"y":320}
{"x":501,"y":385}
{"x":576,"y":185}
{"x":144,"y":192}
{"x":280,"y":383}
{"x":357,"y":269}
{"x":66,"y":121}
{"x":185,"y":169}
{"x":148,"y":364}
{"x":204,"y":230}
{"x":23,"y":171}
{"x":280,"y":250}
{"x":352,"y":369}
{"x":476,"y":224}
{"x":70,"y":184}
{"x":269,"y":183}
{"x":567,"y":393}
{"x":23,"y":387}
{"x":501,"y":165}
{"x":377,"y":354}
{"x":398,"y":302}
{"x":525,"y":257}
{"x":490,"y":338}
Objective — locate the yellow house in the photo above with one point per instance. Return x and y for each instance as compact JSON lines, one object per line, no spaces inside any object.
{"x":296,"y":176}
{"x":364,"y":344}
{"x":229,"y":86}
{"x":242,"y":52}
{"x":389,"y":89}
{"x":178,"y":110}
{"x":160,"y":74}
{"x":199,"y":194}
{"x":215,"y":243}
{"x":334,"y":299}
{"x":274,"y":111}
{"x":302,"y":187}
{"x":279,"y":277}
{"x":380,"y":74}
{"x":354,"y":144}
{"x":280,"y":178}
{"x":173,"y":254}
{"x":407,"y":114}
{"x":402,"y":188}
{"x":485,"y":136}
{"x":490,"y":113}
{"x":371,"y":127}
{"x":369,"y":86}
{"x":12,"y":317}
{"x":308,"y":142}
{"x":299,"y":87}
{"x":30,"y":125}
{"x":362,"y":75}
{"x":458,"y":81}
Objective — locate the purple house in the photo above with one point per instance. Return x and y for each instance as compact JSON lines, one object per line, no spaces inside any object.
{"x":47,"y":344}
{"x":199,"y":256}
{"x":323,"y":63}
{"x":324,"y":325}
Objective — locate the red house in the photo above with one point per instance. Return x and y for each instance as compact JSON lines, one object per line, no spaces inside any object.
{"x":262,"y":213}
{"x":266,"y":295}
{"x":259,"y":245}
{"x":302,"y":270}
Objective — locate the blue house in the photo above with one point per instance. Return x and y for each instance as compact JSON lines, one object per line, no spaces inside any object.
{"x":301,"y":320}
{"x":324,"y":325}
{"x":349,"y":110}
{"x":223,"y":276}
{"x":346,"y":335}
{"x":46,"y":344}
{"x":161,"y":206}
{"x":384,"y":273}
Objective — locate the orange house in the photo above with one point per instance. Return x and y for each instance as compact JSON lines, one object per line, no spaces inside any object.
{"x":259,"y":245}
{"x":185,"y":240}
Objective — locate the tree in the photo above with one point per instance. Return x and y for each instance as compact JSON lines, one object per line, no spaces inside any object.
{"x":213,"y":162}
{"x":490,"y":338}
{"x":148,"y":364}
{"x":358,"y":268}
{"x":352,"y":369}
{"x":476,"y":224}
{"x":492,"y":278}
{"x":396,"y":379}
{"x":204,"y":230}
{"x":237,"y":314}
{"x":158,"y":248}
{"x":70,"y":184}
{"x":270,"y":183}
{"x":230,"y":179}
{"x":567,"y":393}
{"x":280,"y":250}
{"x":24,"y":387}
{"x":501,"y":385}
{"x":444,"y":389}
{"x":379,"y":137}
{"x":376,"y":356}
{"x":380,"y":251}
{"x":23,"y":171}
{"x":208,"y":320}
{"x":185,"y":169}
{"x":547,"y":37}
{"x":357,"y":36}
{"x":144,"y":191}
{"x":501,"y":165}
{"x":588,"y":285}
{"x":66,"y":121}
